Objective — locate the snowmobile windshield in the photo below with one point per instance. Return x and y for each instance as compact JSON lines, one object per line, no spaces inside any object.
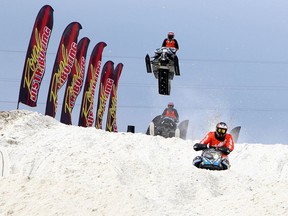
{"x":211,"y":154}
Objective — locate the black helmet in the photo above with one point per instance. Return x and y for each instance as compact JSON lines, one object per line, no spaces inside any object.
{"x":221,"y":129}
{"x":170,"y":35}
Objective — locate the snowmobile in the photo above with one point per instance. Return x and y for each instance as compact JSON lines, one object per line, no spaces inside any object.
{"x":167,"y":127}
{"x":164,"y":65}
{"x":210,"y":159}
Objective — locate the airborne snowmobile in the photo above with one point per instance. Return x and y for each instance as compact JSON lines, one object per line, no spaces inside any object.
{"x":164,"y":65}
{"x":167,"y":127}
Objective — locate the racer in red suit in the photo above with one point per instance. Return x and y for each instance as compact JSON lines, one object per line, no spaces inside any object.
{"x":170,"y":41}
{"x":171,"y":112}
{"x":218,"y":139}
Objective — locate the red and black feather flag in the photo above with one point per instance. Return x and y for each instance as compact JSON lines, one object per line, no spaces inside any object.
{"x":86,"y":117}
{"x":35,"y":61}
{"x":105,"y":88}
{"x":63,"y":64}
{"x":111,"y":124}
{"x":75,"y":81}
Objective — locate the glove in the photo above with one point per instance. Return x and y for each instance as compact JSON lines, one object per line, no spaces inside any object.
{"x":199,"y":146}
{"x":224,"y":150}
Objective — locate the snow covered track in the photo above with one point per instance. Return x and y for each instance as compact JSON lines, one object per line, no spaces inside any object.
{"x":55,"y":169}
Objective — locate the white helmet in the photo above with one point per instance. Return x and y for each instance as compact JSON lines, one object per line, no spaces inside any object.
{"x":171,"y":104}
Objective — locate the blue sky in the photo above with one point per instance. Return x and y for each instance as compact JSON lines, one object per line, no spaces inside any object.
{"x":233,"y":59}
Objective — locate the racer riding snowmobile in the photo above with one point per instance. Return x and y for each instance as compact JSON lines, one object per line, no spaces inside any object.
{"x":171,"y":112}
{"x":166,"y":125}
{"x":170,"y":41}
{"x":164,"y":64}
{"x":216,"y":146}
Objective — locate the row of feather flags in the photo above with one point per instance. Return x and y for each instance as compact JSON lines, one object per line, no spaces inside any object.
{"x":69,"y":68}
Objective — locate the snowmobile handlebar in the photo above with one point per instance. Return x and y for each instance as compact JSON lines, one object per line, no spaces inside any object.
{"x":167,"y":117}
{"x":199,"y":147}
{"x":224,"y":150}
{"x":172,"y":50}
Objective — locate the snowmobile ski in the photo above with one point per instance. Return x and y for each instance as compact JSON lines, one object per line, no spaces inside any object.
{"x":176,"y":66}
{"x":148,"y":64}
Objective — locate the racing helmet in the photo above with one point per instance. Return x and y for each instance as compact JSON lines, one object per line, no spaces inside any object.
{"x":170,"y":105}
{"x":170,"y":35}
{"x":221,"y":129}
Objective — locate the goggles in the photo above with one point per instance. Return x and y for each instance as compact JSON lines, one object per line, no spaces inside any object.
{"x":221,"y":131}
